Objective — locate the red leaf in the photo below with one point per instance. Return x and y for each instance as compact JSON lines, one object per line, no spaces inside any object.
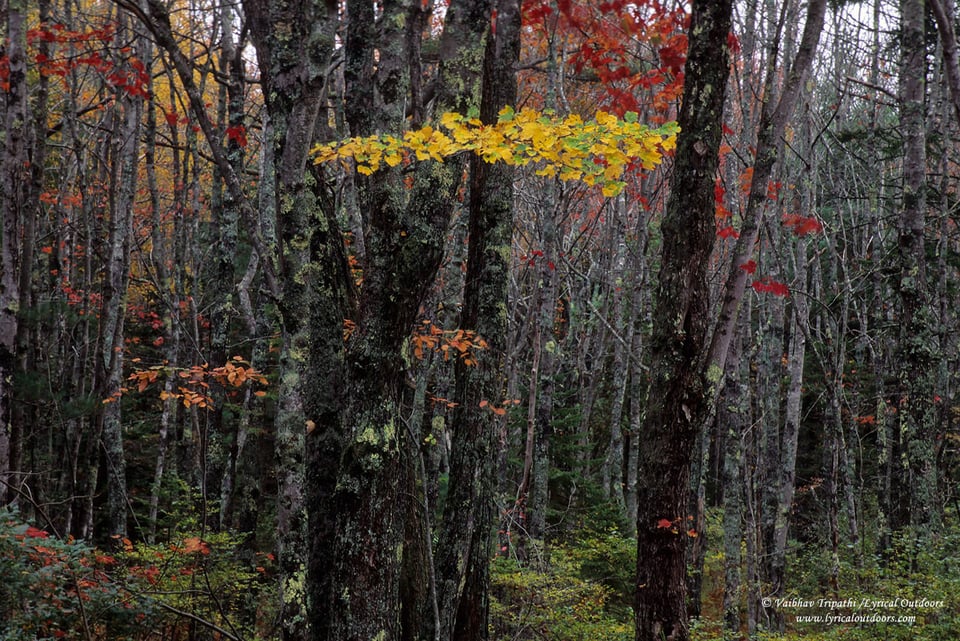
{"x":773,"y":189}
{"x":238,"y":134}
{"x":802,"y":225}
{"x":770,"y":286}
{"x":728,"y":232}
{"x":750,"y":266}
{"x":664,"y":524}
{"x":733,"y":43}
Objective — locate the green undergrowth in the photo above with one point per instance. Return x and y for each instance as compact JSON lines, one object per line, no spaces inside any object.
{"x":909,"y":591}
{"x":576,"y":591}
{"x":207,"y":586}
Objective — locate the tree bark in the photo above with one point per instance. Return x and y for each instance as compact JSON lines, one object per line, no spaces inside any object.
{"x":918,"y":341}
{"x":404,"y":238}
{"x":124,"y":154}
{"x":773,"y":122}
{"x":677,"y":402}
{"x":464,"y":548}
{"x":944,"y":14}
{"x":14,"y":179}
{"x":731,"y":418}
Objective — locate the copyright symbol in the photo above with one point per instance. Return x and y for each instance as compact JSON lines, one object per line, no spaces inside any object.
{"x":766,"y":602}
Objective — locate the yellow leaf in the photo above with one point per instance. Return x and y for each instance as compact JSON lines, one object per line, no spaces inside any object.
{"x":612,"y":189}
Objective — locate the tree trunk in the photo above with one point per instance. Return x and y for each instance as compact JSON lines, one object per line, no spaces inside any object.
{"x":677,"y":402}
{"x":944,"y":14}
{"x":731,"y":419}
{"x":404,"y":238}
{"x":464,"y":548}
{"x":773,"y":122}
{"x":918,"y":342}
{"x":785,"y":479}
{"x":125,"y":149}
{"x":14,"y":179}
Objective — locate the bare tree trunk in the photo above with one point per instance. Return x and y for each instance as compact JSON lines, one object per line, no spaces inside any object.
{"x":786,"y":478}
{"x":944,"y":14}
{"x":125,"y":149}
{"x":918,"y":342}
{"x":166,"y":247}
{"x":464,"y":548}
{"x":677,"y":402}
{"x":546,"y":382}
{"x":731,"y":419}
{"x":612,"y":468}
{"x":14,"y":179}
{"x":773,"y":122}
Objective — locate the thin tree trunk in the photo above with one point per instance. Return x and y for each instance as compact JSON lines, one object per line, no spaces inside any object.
{"x":731,"y":419}
{"x":786,"y":478}
{"x":918,"y":341}
{"x":612,"y":468}
{"x":773,"y":122}
{"x":168,"y":280}
{"x":944,"y":14}
{"x":14,"y":181}
{"x":124,"y":155}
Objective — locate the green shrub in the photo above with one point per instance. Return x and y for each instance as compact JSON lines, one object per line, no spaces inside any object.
{"x":574,"y":598}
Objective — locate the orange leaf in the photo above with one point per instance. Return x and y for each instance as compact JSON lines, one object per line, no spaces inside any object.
{"x":194,"y":544}
{"x":746,"y":180}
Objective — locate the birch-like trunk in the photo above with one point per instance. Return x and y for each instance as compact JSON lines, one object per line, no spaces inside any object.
{"x":13,"y":181}
{"x":125,"y":150}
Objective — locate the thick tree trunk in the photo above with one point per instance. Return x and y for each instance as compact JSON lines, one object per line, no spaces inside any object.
{"x":404,"y":238}
{"x":294,"y":43}
{"x":464,"y":548}
{"x":677,"y":402}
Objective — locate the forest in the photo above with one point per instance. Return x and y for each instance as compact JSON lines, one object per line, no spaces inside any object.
{"x":479,"y":320}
